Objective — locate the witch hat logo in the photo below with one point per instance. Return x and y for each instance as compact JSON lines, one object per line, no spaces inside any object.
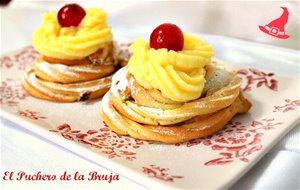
{"x":276,"y":27}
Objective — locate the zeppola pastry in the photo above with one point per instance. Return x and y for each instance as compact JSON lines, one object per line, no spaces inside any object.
{"x":171,"y":91}
{"x":78,"y":56}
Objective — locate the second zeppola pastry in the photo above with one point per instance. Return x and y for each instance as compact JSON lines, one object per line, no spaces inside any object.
{"x":78,"y":56}
{"x":171,"y":91}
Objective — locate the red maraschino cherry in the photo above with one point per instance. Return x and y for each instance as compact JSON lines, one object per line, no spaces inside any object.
{"x":70,"y":15}
{"x":167,"y":36}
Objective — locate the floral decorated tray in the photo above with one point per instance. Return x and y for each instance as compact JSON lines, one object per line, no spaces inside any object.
{"x":269,"y":82}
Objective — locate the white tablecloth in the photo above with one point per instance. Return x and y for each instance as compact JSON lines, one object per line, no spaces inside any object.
{"x":22,"y":150}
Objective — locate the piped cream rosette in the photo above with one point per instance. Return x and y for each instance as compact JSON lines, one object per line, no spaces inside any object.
{"x":73,"y":43}
{"x":156,"y":105}
{"x":179,"y":76}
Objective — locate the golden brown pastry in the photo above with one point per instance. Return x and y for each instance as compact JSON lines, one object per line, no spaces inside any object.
{"x":69,"y":92}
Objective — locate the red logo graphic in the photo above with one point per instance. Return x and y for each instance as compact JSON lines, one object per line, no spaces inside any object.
{"x":276,"y":27}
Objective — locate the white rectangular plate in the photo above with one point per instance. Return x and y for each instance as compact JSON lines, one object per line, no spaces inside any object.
{"x":269,"y":80}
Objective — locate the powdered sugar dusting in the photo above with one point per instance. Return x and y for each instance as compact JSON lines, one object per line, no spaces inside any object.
{"x":48,"y":68}
{"x":80,"y":87}
{"x":119,"y":81}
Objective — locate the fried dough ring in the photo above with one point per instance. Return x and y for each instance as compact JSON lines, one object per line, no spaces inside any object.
{"x":64,"y":92}
{"x":191,"y":120}
{"x":70,"y":74}
{"x":76,"y":80}
{"x":104,"y":53}
{"x":66,"y":61}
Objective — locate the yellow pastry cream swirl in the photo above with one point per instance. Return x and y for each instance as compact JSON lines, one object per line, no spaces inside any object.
{"x":72,"y":43}
{"x":180,"y":76}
